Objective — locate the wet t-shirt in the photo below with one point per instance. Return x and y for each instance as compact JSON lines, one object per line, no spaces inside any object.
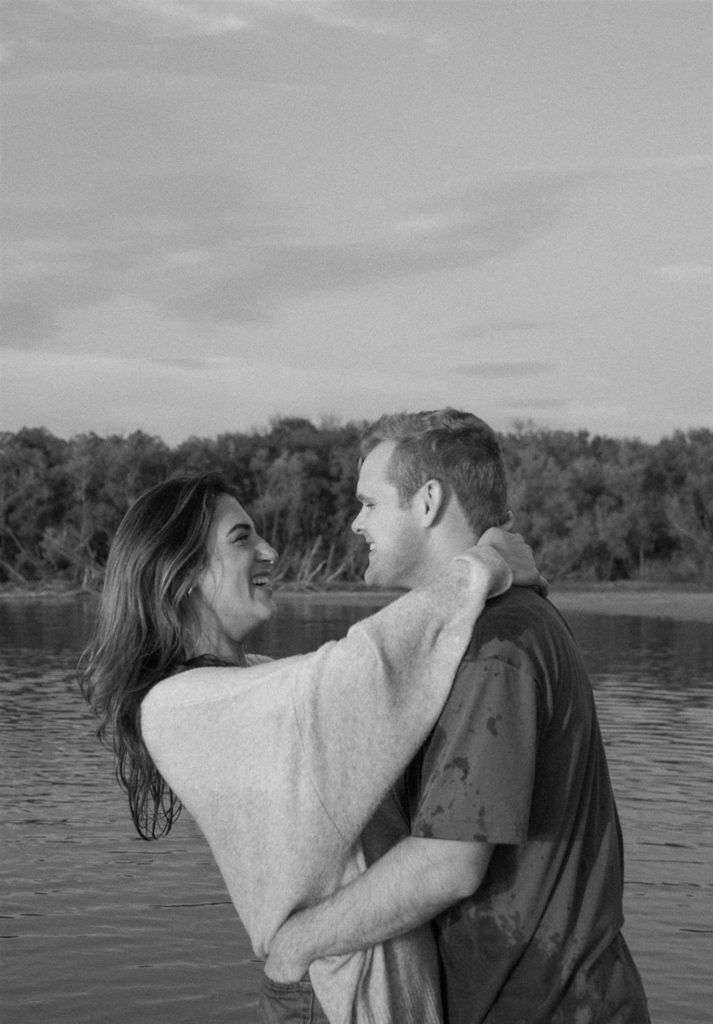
{"x":516,"y":759}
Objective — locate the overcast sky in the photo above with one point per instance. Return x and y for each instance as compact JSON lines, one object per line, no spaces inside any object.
{"x":221,"y":211}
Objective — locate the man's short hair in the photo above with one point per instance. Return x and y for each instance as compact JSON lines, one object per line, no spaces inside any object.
{"x":456,"y":448}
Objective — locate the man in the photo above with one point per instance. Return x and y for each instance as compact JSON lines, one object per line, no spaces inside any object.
{"x":515,"y":848}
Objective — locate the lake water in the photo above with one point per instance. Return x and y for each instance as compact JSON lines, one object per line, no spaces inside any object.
{"x":98,"y":927}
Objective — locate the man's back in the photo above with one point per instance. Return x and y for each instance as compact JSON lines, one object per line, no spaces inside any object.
{"x":517,"y":760}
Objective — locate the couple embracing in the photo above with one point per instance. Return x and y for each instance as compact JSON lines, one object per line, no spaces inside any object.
{"x":415,"y":823}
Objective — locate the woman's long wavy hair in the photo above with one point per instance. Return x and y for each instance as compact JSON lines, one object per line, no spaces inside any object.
{"x":146,"y":629}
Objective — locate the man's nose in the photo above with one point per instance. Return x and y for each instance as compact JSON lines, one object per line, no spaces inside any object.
{"x":356,"y":522}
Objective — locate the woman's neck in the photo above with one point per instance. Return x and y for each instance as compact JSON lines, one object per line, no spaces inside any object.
{"x":223,"y":649}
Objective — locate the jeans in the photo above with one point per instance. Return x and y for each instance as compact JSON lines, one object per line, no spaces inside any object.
{"x":291,"y":1002}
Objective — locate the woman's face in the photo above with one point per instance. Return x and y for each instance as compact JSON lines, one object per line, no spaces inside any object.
{"x":232,"y":592}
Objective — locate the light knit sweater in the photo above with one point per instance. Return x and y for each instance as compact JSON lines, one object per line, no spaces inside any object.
{"x":284,"y":763}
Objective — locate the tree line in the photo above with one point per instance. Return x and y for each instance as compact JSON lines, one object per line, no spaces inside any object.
{"x":592,"y":507}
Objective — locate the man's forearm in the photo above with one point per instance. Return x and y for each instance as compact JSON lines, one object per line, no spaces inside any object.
{"x":410,"y":885}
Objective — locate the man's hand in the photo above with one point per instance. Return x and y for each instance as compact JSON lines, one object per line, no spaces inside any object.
{"x":409,"y":885}
{"x":518,"y":555}
{"x":287,"y":962}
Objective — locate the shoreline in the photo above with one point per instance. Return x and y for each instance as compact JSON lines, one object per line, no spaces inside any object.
{"x":682,"y":602}
{"x":687,"y":602}
{"x":659,"y":603}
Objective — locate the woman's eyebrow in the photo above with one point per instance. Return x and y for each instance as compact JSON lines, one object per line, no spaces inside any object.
{"x":239,"y":526}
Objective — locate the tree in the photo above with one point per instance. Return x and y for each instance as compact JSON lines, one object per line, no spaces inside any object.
{"x":686,"y":461}
{"x":590,"y":506}
{"x":30,"y":501}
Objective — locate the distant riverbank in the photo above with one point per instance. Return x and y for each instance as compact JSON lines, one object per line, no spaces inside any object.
{"x":683,"y":602}
{"x":659,"y":602}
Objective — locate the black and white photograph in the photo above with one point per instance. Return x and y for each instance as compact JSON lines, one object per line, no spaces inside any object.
{"x":356,"y":512}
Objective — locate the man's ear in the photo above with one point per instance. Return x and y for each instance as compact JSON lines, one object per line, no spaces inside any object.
{"x":432,"y":501}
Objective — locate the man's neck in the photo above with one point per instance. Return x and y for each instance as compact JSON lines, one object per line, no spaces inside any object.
{"x":446,"y":543}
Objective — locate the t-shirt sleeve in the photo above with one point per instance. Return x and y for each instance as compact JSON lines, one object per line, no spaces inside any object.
{"x":479,"y":763}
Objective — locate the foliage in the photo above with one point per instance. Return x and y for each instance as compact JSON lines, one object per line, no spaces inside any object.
{"x":592,"y":507}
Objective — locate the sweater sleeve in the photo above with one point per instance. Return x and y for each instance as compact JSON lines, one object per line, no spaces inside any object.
{"x":364,"y":705}
{"x":359,"y":707}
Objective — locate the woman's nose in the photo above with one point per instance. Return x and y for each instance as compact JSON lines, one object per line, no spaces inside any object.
{"x":266,"y":552}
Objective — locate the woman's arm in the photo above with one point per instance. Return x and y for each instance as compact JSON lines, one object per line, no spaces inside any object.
{"x":364,"y":705}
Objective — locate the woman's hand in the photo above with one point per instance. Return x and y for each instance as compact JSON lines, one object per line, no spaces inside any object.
{"x":518,"y":555}
{"x":286,"y":962}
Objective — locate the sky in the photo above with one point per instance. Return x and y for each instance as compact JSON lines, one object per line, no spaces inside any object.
{"x":220,"y":212}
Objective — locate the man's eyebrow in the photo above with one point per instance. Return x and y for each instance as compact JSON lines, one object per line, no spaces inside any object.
{"x":363,"y":498}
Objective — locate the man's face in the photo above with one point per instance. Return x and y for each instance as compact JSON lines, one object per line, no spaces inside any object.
{"x":394,"y":535}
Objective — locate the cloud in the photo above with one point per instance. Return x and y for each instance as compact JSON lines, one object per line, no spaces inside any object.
{"x":199,"y":244}
{"x":503,"y":370}
{"x":152,"y":236}
{"x":172,"y":17}
{"x":473,"y":226}
{"x":380,"y":20}
{"x":694,"y":273}
{"x":185,"y":363}
{"x":491,"y":328}
{"x":183,"y":18}
{"x":71,"y":394}
{"x":685,"y":162}
{"x":535,"y":403}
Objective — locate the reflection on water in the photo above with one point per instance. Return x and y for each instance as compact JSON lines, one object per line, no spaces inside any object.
{"x":102,"y":927}
{"x":653,"y":682}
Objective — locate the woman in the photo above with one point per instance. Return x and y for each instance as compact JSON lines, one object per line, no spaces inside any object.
{"x":283,"y":763}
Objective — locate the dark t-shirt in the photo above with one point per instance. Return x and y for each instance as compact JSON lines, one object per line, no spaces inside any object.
{"x":516,"y":759}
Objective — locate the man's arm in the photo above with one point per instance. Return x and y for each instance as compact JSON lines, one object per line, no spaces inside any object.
{"x":408,"y":886}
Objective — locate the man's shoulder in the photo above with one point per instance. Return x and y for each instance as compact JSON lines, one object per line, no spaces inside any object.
{"x":520,"y":619}
{"x":516,"y":606}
